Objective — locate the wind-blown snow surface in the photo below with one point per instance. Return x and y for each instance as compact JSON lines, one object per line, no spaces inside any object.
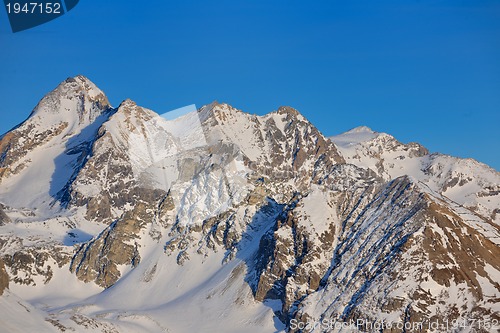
{"x":119,"y":220}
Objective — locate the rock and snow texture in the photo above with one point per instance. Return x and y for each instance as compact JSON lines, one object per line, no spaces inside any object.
{"x":120,"y":220}
{"x":471,"y":184}
{"x":41,"y":155}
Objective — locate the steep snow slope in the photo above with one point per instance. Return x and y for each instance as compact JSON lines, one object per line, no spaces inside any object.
{"x":407,"y":258}
{"x":50,"y":142}
{"x":18,"y":316}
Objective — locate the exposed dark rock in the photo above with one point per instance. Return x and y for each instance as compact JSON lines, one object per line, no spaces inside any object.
{"x":4,"y":219}
{"x":31,"y":262}
{"x":98,"y":259}
{"x":4,"y":278}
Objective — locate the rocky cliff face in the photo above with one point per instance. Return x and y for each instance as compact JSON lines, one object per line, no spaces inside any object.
{"x":4,"y":278}
{"x":4,"y":218}
{"x":159,"y":221}
{"x":412,"y":263}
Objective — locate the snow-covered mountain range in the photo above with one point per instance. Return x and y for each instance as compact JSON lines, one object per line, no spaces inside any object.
{"x":121,"y":220}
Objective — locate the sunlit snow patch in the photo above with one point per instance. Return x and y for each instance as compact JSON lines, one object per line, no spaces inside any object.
{"x":177,"y":156}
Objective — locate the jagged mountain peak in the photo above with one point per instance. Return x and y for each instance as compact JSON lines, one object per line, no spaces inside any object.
{"x":279,"y":136}
{"x":46,"y":146}
{"x":365,"y":136}
{"x":288,"y":110}
{"x":218,"y":111}
{"x":222,"y":111}
{"x":86,"y":84}
{"x":76,"y":100}
{"x":466,"y":181}
{"x":127,"y":118}
{"x":127,"y":108}
{"x":79,"y":86}
{"x":130,"y":109}
{"x":127,"y":103}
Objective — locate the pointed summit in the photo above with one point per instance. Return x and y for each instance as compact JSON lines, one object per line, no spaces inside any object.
{"x":287,"y":110}
{"x":355,"y":136}
{"x":127,"y":103}
{"x":361,"y":129}
{"x":66,"y":117}
{"x":92,"y":90}
{"x":75,"y":100}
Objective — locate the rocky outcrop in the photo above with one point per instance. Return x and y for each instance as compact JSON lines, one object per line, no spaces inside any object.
{"x":32,"y":265}
{"x":15,"y":144}
{"x":4,"y":218}
{"x":280,"y":146}
{"x":99,"y":260}
{"x":4,"y":278}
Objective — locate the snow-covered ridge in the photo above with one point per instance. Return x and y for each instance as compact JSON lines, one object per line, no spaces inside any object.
{"x":465,"y":181}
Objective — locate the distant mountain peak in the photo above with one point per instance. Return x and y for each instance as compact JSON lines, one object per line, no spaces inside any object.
{"x":355,"y":136}
{"x":361,"y":129}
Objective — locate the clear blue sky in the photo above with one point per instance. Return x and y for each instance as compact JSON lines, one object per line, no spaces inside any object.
{"x":425,"y":71}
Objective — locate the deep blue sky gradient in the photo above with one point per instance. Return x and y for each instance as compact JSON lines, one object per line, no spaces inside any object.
{"x":425,"y":71}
